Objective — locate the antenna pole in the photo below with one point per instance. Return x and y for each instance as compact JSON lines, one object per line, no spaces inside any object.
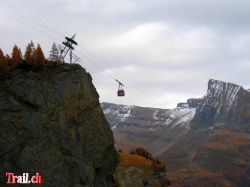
{"x":68,"y":48}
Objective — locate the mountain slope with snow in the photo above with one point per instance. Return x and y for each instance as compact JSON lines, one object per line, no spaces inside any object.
{"x":120,"y":116}
{"x":217,"y":105}
{"x":224,"y":104}
{"x":212,"y":133}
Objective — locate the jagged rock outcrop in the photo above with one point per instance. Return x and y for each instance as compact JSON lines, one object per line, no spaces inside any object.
{"x":224,"y":103}
{"x":51,"y":122}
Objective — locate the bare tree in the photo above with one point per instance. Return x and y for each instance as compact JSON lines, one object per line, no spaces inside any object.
{"x":54,"y":53}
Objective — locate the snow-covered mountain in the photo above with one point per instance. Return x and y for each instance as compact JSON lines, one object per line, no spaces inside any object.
{"x":225,"y":105}
{"x":211,"y":133}
{"x":218,"y":103}
{"x":220,"y":96}
{"x":120,"y":116}
{"x":221,"y":93}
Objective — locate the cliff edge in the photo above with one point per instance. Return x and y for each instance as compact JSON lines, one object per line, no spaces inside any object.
{"x":51,"y":122}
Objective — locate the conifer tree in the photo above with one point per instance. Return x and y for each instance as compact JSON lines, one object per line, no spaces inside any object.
{"x":29,"y":52}
{"x":3,"y":59}
{"x":16,"y":55}
{"x":54,"y":53}
{"x":39,"y":56}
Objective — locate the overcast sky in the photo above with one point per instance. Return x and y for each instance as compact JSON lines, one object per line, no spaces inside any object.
{"x":164,"y":51}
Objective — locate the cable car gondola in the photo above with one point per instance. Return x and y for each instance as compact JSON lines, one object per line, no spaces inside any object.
{"x":120,"y":92}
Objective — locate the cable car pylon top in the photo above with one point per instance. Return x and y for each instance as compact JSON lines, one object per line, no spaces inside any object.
{"x":120,"y":92}
{"x":68,"y":47}
{"x":119,"y":82}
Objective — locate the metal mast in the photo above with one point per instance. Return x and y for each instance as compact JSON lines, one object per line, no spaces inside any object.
{"x":68,"y":47}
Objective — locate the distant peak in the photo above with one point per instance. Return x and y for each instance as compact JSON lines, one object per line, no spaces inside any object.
{"x":217,"y":86}
{"x":219,"y":89}
{"x":216,"y":83}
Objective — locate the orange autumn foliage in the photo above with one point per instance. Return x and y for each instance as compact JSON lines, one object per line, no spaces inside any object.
{"x":3,"y":59}
{"x":142,"y":152}
{"x":38,"y":55}
{"x":33,"y":59}
{"x":140,"y":157}
{"x":29,"y":52}
{"x":128,"y":160}
{"x":16,"y":55}
{"x":32,"y":56}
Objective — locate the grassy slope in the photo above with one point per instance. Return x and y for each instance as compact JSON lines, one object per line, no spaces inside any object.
{"x":220,"y":161}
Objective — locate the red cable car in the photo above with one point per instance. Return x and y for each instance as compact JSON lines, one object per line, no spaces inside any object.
{"x":120,"y":92}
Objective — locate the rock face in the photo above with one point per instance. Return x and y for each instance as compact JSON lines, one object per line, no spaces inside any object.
{"x":51,"y":122}
{"x":224,"y":103}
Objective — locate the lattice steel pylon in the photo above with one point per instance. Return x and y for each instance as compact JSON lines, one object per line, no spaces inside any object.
{"x":68,"y":47}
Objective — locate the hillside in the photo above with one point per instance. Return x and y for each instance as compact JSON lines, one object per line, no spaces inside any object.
{"x":51,"y":122}
{"x":137,"y":169}
{"x":205,"y":139}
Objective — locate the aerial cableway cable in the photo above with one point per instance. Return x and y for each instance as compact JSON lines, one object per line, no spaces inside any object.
{"x":56,"y":36}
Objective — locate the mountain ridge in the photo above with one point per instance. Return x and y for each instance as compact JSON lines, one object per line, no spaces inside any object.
{"x":216,"y":91}
{"x":206,"y":137}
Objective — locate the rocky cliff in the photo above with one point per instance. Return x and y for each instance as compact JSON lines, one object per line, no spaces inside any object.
{"x":51,"y":122}
{"x":223,"y":104}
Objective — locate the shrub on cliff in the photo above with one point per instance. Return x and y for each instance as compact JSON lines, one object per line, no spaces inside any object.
{"x":142,"y":152}
{"x":157,"y":165}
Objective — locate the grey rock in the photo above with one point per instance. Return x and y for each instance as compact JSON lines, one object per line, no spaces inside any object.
{"x":51,"y":122}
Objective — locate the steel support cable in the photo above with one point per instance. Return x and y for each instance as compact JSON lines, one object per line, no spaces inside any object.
{"x":45,"y":30}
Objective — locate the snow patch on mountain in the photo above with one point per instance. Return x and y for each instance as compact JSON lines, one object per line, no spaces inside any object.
{"x":219,"y":93}
{"x":181,"y":116}
{"x":155,"y":115}
{"x":120,"y":116}
{"x":121,"y":111}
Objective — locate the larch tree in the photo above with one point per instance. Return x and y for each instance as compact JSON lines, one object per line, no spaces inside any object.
{"x":39,"y":56}
{"x":29,"y":52}
{"x":16,"y":55}
{"x":3,"y":59}
{"x":54,"y":53}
